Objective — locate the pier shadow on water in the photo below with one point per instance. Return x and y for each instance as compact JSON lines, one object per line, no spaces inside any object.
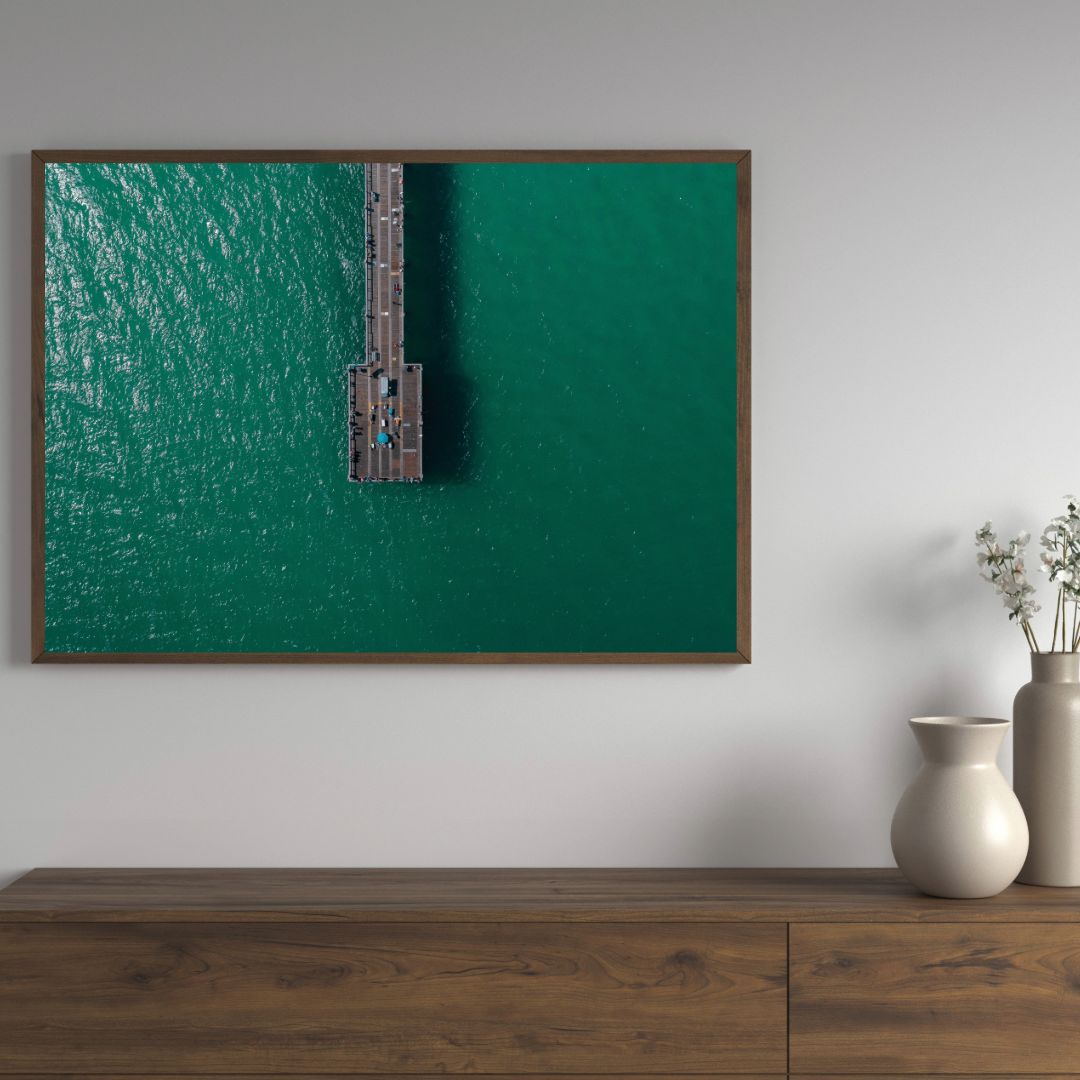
{"x":432,"y":336}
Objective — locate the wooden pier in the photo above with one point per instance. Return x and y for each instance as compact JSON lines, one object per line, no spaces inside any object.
{"x":385,"y":393}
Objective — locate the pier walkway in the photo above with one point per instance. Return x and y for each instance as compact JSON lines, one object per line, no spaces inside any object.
{"x":385,"y":393}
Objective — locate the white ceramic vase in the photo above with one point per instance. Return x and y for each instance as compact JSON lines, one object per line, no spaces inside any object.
{"x":1046,"y":767}
{"x":958,"y":830}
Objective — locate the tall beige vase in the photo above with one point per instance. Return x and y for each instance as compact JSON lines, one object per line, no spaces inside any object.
{"x":958,"y":830}
{"x":1046,"y":767}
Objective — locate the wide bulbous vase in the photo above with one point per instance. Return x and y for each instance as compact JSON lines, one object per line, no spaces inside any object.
{"x":1046,"y":768}
{"x":959,"y":830}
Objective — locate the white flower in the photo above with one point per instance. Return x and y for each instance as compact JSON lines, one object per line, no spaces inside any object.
{"x":1006,"y":570}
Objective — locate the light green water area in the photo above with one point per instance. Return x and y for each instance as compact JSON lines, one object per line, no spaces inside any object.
{"x":576,"y":324}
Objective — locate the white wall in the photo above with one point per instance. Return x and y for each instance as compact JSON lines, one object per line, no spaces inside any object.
{"x":916,"y":330}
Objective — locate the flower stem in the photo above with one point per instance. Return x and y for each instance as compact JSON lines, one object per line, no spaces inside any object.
{"x":1064,"y":562}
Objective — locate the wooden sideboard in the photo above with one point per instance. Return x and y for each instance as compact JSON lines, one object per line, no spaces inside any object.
{"x":658,"y":973}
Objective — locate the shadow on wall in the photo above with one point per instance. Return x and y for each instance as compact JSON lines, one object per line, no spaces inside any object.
{"x":431,"y":330}
{"x":776,"y":821}
{"x":952,"y":631}
{"x":932,"y":582}
{"x":808,"y":810}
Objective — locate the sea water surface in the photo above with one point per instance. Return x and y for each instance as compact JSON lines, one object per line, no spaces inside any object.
{"x":576,"y":324}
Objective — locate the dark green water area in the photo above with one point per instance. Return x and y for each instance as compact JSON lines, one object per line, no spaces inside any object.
{"x":576,"y":324}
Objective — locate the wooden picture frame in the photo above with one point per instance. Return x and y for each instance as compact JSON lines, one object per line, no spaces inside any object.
{"x":40,"y":159}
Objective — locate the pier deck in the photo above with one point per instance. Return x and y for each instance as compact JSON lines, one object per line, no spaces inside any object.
{"x":385,"y":393}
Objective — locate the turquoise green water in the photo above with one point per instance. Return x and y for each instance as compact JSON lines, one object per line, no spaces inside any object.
{"x":576,"y":324}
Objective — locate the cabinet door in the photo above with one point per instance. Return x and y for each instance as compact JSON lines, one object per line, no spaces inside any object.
{"x":417,"y":998}
{"x":985,"y":998}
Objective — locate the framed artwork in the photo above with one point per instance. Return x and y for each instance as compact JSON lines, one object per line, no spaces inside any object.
{"x":388,"y":406}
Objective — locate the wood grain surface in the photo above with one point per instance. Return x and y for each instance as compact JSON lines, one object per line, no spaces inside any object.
{"x":37,"y":406}
{"x":742,"y":407}
{"x":979,"y":999}
{"x":449,"y":895}
{"x":388,"y":658}
{"x":392,"y":999}
{"x":729,"y":157}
